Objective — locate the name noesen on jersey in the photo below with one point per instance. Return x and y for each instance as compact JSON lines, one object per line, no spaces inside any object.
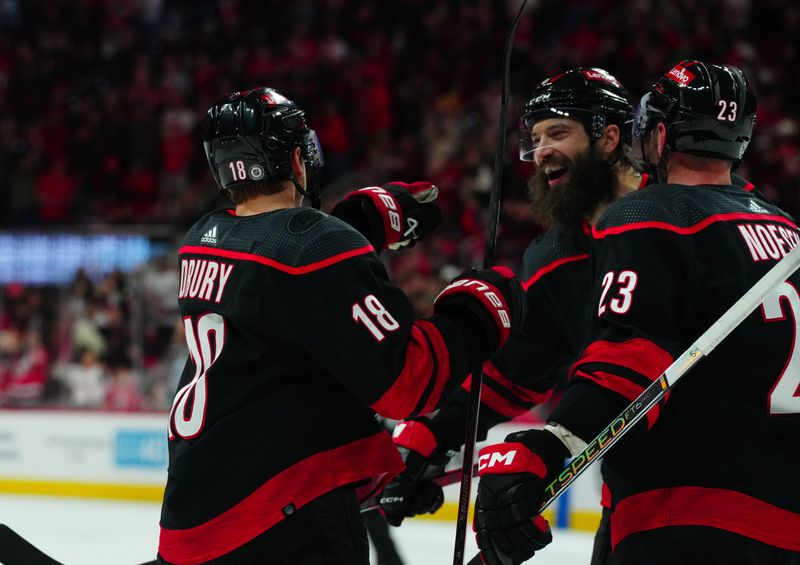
{"x":768,"y":241}
{"x":200,"y":278}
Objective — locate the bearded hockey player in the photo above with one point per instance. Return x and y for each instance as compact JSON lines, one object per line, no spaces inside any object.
{"x":297,"y":338}
{"x":710,"y":477}
{"x":576,"y":129}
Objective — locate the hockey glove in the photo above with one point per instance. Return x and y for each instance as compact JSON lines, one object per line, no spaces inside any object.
{"x":489,"y":305}
{"x":412,"y":492}
{"x":394,"y":215}
{"x":511,"y":490}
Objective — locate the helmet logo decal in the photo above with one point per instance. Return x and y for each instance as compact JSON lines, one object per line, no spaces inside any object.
{"x":681,"y":75}
{"x":256,"y":172}
{"x":274,"y":99}
{"x":551,"y":80}
{"x":600,"y":74}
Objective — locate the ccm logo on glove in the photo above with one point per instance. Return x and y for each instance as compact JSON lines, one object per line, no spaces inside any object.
{"x":511,"y":457}
{"x":495,"y":458}
{"x":483,"y":292}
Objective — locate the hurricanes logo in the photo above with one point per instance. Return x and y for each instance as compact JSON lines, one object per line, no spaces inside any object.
{"x":256,"y":172}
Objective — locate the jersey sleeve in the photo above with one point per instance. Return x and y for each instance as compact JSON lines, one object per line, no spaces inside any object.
{"x":531,"y":365}
{"x":359,"y":327}
{"x":641,"y":273}
{"x":524,"y":372}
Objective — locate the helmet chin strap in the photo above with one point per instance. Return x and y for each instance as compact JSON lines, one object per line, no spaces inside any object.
{"x":652,"y":169}
{"x":312,"y":195}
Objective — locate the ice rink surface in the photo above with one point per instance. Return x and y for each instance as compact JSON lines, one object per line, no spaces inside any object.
{"x":89,"y":532}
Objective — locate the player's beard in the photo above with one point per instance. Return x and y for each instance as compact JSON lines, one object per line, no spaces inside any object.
{"x":591,"y":182}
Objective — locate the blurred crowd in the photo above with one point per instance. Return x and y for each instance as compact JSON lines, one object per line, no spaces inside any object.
{"x":101,"y":100}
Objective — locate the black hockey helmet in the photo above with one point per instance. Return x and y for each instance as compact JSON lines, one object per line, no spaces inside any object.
{"x":249,"y":136}
{"x":708,"y":110}
{"x":589,"y":94}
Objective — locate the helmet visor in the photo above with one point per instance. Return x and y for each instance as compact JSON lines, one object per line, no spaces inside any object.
{"x":526,"y":145}
{"x":312,"y":150}
{"x":641,"y":117}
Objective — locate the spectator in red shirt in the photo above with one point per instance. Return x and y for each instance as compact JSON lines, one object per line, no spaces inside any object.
{"x":55,"y":189}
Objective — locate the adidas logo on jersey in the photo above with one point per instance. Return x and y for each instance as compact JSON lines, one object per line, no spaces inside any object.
{"x":756,"y":207}
{"x":210,"y":236}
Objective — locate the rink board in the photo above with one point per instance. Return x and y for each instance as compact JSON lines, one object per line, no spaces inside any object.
{"x":124,"y":456}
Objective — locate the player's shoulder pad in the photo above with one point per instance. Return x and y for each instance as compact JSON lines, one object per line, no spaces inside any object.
{"x":303,"y":236}
{"x":652,"y":203}
{"x":669,"y":206}
{"x":207,"y":222}
{"x":294,"y":237}
{"x":556,"y":244}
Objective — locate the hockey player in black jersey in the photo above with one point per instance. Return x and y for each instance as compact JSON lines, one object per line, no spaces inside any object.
{"x":711,"y":476}
{"x":289,"y":315}
{"x":576,"y":129}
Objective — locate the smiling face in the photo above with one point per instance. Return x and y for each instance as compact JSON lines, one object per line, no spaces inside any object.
{"x":557,"y":143}
{"x":573,"y":176}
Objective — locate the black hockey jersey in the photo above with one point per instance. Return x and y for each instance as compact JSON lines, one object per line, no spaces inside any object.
{"x":296,"y":338}
{"x":557,"y":277}
{"x":723,"y":450}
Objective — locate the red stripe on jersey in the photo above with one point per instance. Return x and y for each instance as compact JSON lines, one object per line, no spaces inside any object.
{"x":442,"y":355}
{"x":551,"y":267}
{"x":620,"y":385}
{"x":644,"y":181}
{"x":605,"y":496}
{"x":699,"y":226}
{"x":495,"y":401}
{"x":638,"y":354}
{"x":749,"y":187}
{"x":297,"y":486}
{"x":713,"y":507}
{"x":520,"y":392}
{"x":240,"y":256}
{"x":409,"y":387}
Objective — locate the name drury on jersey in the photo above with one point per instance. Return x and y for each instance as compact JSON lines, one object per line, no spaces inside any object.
{"x":204,"y":279}
{"x":768,"y":241}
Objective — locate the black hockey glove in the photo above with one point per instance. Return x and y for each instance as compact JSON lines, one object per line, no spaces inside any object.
{"x":489,"y":305}
{"x":394,"y":215}
{"x":511,"y":490}
{"x":413,"y":492}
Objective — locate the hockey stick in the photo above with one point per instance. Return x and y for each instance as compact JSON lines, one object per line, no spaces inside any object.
{"x":637,"y":409}
{"x":16,"y":550}
{"x":471,"y":431}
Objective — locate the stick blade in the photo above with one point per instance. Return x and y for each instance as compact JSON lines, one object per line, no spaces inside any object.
{"x":16,"y":550}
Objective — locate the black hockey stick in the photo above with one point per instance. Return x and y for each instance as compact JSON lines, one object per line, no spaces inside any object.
{"x":471,"y":431}
{"x":16,"y":550}
{"x":637,"y":409}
